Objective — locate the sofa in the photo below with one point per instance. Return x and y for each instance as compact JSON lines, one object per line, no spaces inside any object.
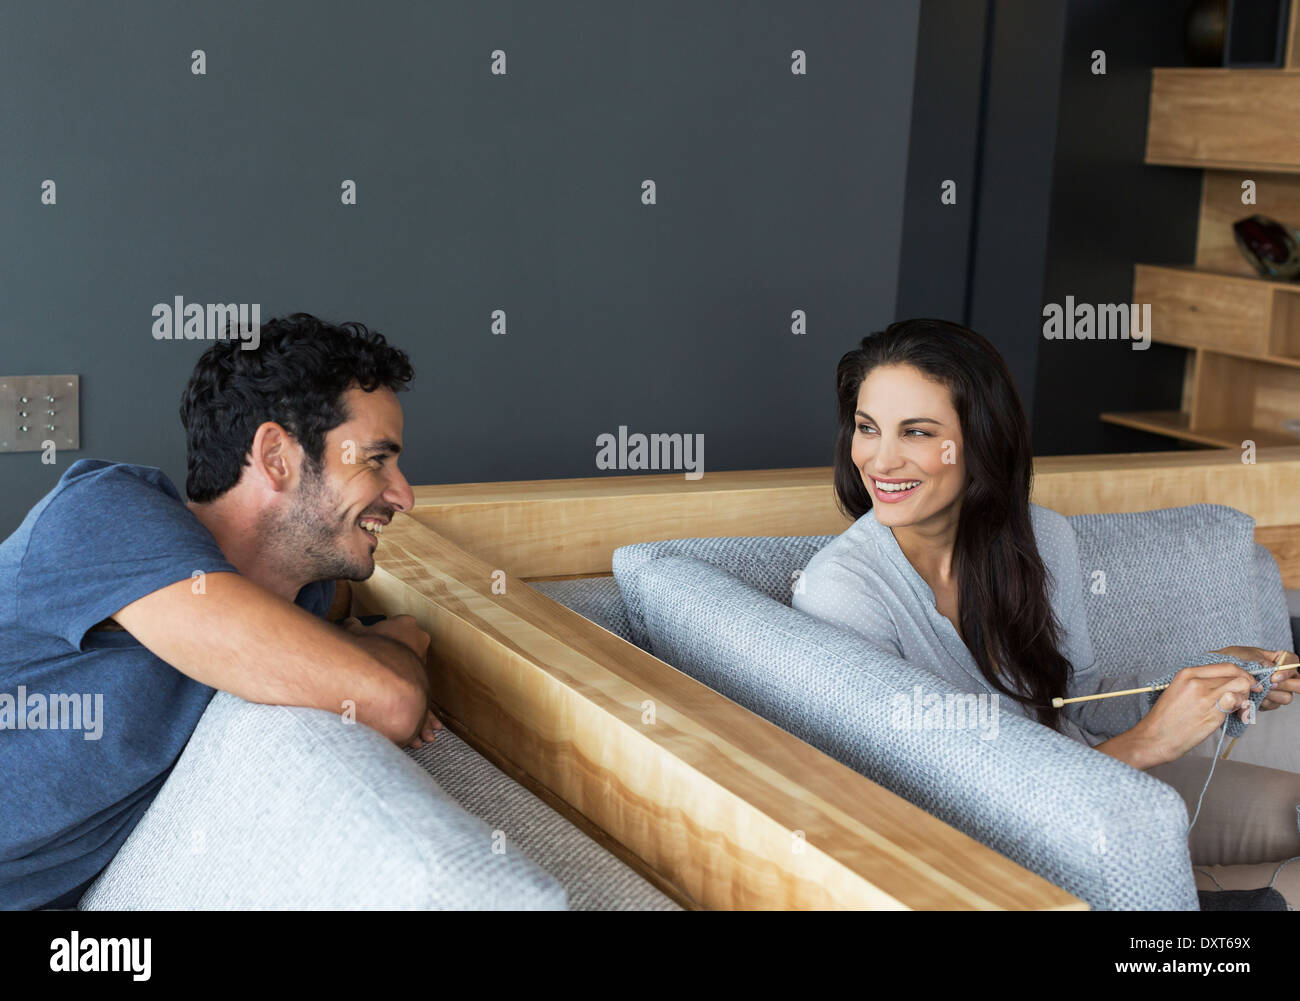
{"x":278,"y":807}
{"x":1179,"y":582}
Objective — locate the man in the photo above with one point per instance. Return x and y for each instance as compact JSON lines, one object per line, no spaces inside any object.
{"x":123,"y":608}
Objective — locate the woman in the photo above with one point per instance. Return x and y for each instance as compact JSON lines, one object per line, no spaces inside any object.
{"x":950,"y":566}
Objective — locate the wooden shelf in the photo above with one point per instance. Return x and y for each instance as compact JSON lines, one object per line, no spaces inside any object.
{"x":1248,"y":356}
{"x":1234,"y":119}
{"x":1196,"y":271}
{"x":1241,"y":315}
{"x":1177,"y":424}
{"x":1276,"y":196}
{"x":1241,"y":380}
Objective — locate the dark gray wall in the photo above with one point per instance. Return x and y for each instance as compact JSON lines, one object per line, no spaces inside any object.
{"x":776,"y":192}
{"x":945,"y":145}
{"x":1109,"y":211}
{"x":1054,"y":199}
{"x":988,"y":77}
{"x":1022,"y":80}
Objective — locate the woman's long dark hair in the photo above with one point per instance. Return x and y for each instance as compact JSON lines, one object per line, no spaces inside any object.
{"x":1006,"y":617}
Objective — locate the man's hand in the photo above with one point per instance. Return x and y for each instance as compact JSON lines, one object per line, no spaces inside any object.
{"x":428,"y":731}
{"x":403,"y":631}
{"x":1285,"y":681}
{"x":402,"y":628}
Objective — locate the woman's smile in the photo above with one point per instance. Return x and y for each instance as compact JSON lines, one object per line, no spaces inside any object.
{"x":893,"y":490}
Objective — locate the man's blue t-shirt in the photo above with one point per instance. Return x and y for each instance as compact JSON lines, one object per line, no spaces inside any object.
{"x":91,"y":722}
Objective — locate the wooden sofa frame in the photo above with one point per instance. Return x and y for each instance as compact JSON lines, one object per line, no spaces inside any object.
{"x":714,"y":805}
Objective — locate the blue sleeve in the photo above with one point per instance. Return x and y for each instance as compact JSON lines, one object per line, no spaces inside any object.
{"x":317,"y":597}
{"x":104,"y":540}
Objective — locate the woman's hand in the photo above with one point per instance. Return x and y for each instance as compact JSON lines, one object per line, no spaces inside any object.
{"x":1187,"y":712}
{"x":1286,"y":681}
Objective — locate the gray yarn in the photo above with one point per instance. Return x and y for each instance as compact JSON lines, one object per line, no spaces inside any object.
{"x":1233,"y":726}
{"x":1213,"y":761}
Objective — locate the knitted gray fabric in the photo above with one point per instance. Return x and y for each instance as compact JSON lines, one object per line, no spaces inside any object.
{"x":1161,"y":568}
{"x":1235,"y":727}
{"x":769,"y":564}
{"x":1111,"y":835}
{"x":593,"y":878}
{"x":596,"y":598}
{"x":1177,"y":582}
{"x":1157,"y":588}
{"x":1270,"y":599}
{"x":275,"y":807}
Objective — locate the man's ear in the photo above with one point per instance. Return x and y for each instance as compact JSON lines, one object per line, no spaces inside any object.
{"x":273,"y":455}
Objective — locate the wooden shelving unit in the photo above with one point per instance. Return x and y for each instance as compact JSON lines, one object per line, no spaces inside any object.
{"x":1241,"y":332}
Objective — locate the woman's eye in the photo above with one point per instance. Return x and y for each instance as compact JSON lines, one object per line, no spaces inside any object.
{"x":867,"y":429}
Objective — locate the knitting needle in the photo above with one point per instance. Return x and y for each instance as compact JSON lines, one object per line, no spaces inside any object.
{"x":1057,"y":703}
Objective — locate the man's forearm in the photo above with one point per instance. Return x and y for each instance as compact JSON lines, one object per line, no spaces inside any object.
{"x":398,"y":658}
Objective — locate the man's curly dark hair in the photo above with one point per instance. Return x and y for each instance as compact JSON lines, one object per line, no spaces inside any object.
{"x":296,"y":377}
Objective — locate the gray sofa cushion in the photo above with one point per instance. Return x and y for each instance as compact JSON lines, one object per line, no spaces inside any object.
{"x":1106,"y":832}
{"x":596,"y":598}
{"x":1274,"y":619}
{"x":271,"y":807}
{"x":594,"y":878}
{"x":769,"y":564}
{"x":1203,"y":552}
{"x":1190,"y":579}
{"x":1178,"y":582}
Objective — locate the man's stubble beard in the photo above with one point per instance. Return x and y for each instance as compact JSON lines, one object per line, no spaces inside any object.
{"x":308,"y":541}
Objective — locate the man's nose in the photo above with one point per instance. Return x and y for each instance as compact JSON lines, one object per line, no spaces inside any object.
{"x":399,"y":493}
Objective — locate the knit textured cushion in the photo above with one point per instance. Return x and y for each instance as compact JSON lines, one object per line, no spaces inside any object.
{"x":1162,"y":587}
{"x":271,"y":808}
{"x":1168,"y":565}
{"x":595,"y":598}
{"x":1177,"y":582}
{"x":593,"y":878}
{"x":1270,"y":599}
{"x":1235,"y":727}
{"x":1109,"y":834}
{"x":769,"y":564}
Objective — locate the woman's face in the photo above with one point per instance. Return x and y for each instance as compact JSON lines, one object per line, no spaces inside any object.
{"x":907,"y":433}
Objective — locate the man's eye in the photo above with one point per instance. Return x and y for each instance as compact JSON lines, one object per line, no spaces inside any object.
{"x":378,"y":460}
